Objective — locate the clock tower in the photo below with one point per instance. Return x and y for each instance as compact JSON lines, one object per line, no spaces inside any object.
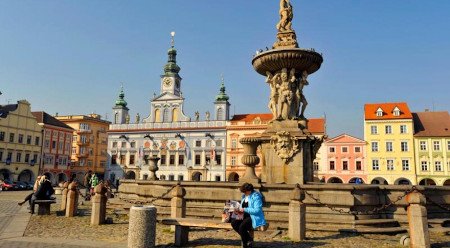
{"x":171,"y":80}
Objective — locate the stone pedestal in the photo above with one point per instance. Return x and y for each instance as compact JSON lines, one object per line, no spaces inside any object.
{"x":417,"y":219}
{"x":64,"y":196}
{"x":286,"y":39}
{"x":142,"y":227}
{"x":250,"y":160}
{"x":98,"y":201}
{"x":297,"y":216}
{"x":72,"y":200}
{"x":178,"y":204}
{"x":288,"y":153}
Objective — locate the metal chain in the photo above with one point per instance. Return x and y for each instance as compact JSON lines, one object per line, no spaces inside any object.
{"x":154,"y":199}
{"x":435,"y":203}
{"x":356,"y":212}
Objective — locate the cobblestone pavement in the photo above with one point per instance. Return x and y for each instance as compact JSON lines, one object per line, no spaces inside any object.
{"x":9,"y":207}
{"x":58,"y":231}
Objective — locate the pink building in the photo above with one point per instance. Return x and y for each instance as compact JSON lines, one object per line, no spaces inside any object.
{"x":344,"y":160}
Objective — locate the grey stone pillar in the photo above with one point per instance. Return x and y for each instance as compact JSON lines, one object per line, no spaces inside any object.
{"x":417,"y":219}
{"x":178,"y":204}
{"x":98,"y":201}
{"x":72,"y":200}
{"x":153,"y":168}
{"x":250,"y":159}
{"x":64,"y":196}
{"x":297,"y":215}
{"x":142,"y":227}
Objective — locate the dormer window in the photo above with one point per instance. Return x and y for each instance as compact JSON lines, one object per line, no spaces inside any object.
{"x":379,"y":112}
{"x":396,"y":111}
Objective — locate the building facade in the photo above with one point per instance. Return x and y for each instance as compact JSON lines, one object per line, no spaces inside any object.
{"x":56,"y":147}
{"x":189,"y":149}
{"x":89,"y":144}
{"x":388,"y":131}
{"x":344,"y":160}
{"x":253,"y":125}
{"x":20,"y":143}
{"x":432,"y":147}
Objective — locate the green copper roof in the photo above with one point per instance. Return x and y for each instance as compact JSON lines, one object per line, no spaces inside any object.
{"x":171,"y":68}
{"x":222,"y":96}
{"x":121,"y":101}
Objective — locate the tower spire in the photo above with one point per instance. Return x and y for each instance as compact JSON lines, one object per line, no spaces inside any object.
{"x":171,"y":68}
{"x":121,"y":100}
{"x":222,"y":96}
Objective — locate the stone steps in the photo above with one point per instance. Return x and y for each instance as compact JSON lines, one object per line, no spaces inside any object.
{"x":377,"y":223}
{"x":440,"y":230}
{"x":439,"y":222}
{"x":375,"y":230}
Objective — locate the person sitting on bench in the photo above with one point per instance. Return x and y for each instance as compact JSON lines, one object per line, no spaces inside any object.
{"x":44,"y":192}
{"x":251,"y":206}
{"x":28,"y":197}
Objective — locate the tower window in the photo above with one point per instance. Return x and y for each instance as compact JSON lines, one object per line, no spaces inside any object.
{"x":220,"y":114}
{"x":166,"y":115}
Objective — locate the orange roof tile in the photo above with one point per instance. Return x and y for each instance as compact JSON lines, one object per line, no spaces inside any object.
{"x":370,"y":111}
{"x":251,"y":117}
{"x":316,"y":125}
{"x":432,"y":124}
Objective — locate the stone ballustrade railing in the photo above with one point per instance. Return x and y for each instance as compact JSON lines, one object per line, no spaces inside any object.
{"x":159,"y":125}
{"x":206,"y":199}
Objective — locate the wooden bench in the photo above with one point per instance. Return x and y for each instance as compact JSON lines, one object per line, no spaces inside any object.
{"x":182,"y":227}
{"x":44,"y":206}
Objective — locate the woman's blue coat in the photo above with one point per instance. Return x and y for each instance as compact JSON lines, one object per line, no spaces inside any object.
{"x":254,"y":208}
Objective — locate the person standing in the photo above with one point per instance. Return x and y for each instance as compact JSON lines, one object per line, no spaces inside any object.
{"x":87,"y":183}
{"x":251,"y":206}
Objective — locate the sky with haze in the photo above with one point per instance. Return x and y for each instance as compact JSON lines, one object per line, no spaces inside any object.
{"x":69,"y":57}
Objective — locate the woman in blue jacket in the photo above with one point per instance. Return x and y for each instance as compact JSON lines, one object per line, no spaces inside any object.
{"x":251,"y":206}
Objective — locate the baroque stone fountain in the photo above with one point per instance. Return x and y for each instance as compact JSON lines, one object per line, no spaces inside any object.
{"x":287,"y":147}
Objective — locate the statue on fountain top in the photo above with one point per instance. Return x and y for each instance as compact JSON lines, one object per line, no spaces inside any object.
{"x":286,"y":37}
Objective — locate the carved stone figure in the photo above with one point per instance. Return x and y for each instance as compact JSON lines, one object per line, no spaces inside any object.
{"x":207,"y":115}
{"x":286,"y":16}
{"x":138,"y":118}
{"x":284,"y":145}
{"x":286,"y":94}
{"x":197,"y":116}
{"x":274,"y":82}
{"x":302,"y":100}
{"x":127,"y":119}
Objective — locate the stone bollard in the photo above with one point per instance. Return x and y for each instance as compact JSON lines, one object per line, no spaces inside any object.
{"x":98,"y":215}
{"x":64,"y":196}
{"x":72,"y":200}
{"x":417,"y":219}
{"x":178,"y":204}
{"x":142,"y":227}
{"x":297,"y":215}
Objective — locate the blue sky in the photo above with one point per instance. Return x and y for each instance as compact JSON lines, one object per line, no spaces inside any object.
{"x":70,"y":56}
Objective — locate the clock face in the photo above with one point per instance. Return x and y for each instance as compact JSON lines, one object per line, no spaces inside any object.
{"x":167,"y":82}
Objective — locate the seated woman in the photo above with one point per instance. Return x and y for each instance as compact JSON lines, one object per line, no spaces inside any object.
{"x":28,"y":197}
{"x":44,"y":192}
{"x":251,"y":206}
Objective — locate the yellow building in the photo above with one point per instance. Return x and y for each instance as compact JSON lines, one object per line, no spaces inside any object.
{"x":89,"y":144}
{"x":388,"y":130}
{"x":20,"y":143}
{"x":432,"y":147}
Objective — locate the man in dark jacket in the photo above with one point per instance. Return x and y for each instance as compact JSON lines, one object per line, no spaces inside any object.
{"x":44,"y":192}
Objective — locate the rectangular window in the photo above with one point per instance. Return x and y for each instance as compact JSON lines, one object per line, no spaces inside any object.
{"x":18,"y":157}
{"x":316,"y":166}
{"x":404,"y":146}
{"x":403,"y":129}
{"x":423,"y":145}
{"x":233,"y":160}
{"x":208,"y":159}
{"x":28,"y":139}
{"x":373,"y":130}
{"x":171,"y":178}
{"x":217,"y":178}
{"x":389,"y":146}
{"x":114,"y":144}
{"x":163,"y":159}
{"x":390,"y":164}
{"x":437,"y":166}
{"x":180,"y":177}
{"x":332,"y":150}
{"x":133,"y":144}
{"x":47,"y":144}
{"x":208,"y":143}
{"x":172,"y":159}
{"x":424,"y":165}
{"x":27,"y":158}
{"x":218,"y":143}
{"x":448,"y":145}
{"x":388,"y":129}
{"x":436,"y":145}
{"x":344,"y":165}
{"x":132,"y":159}
{"x":357,"y":149}
{"x":358,"y":165}
{"x":218,"y":159}
{"x":198,"y":143}
{"x":36,"y":141}
{"x":375,"y":165}
{"x":11,"y":137}
{"x":1,"y":156}
{"x":181,"y":159}
{"x":123,"y":145}
{"x":60,"y":146}
{"x":20,"y":140}
{"x":233,"y":144}
{"x":114,"y":159}
{"x":2,"y":136}
{"x":374,"y":146}
{"x":332,"y":165}
{"x":197,"y":159}
{"x":122,"y":159}
{"x":405,"y":165}
{"x":344,"y":149}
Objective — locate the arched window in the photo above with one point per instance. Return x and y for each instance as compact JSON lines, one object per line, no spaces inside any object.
{"x":166,"y":115}
{"x":116,"y":118}
{"x":220,"y":114}
{"x":175,"y":114}
{"x":157,"y":115}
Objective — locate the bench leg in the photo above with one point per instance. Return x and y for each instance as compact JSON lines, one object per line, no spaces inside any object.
{"x":181,"y":235}
{"x":43,"y":209}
